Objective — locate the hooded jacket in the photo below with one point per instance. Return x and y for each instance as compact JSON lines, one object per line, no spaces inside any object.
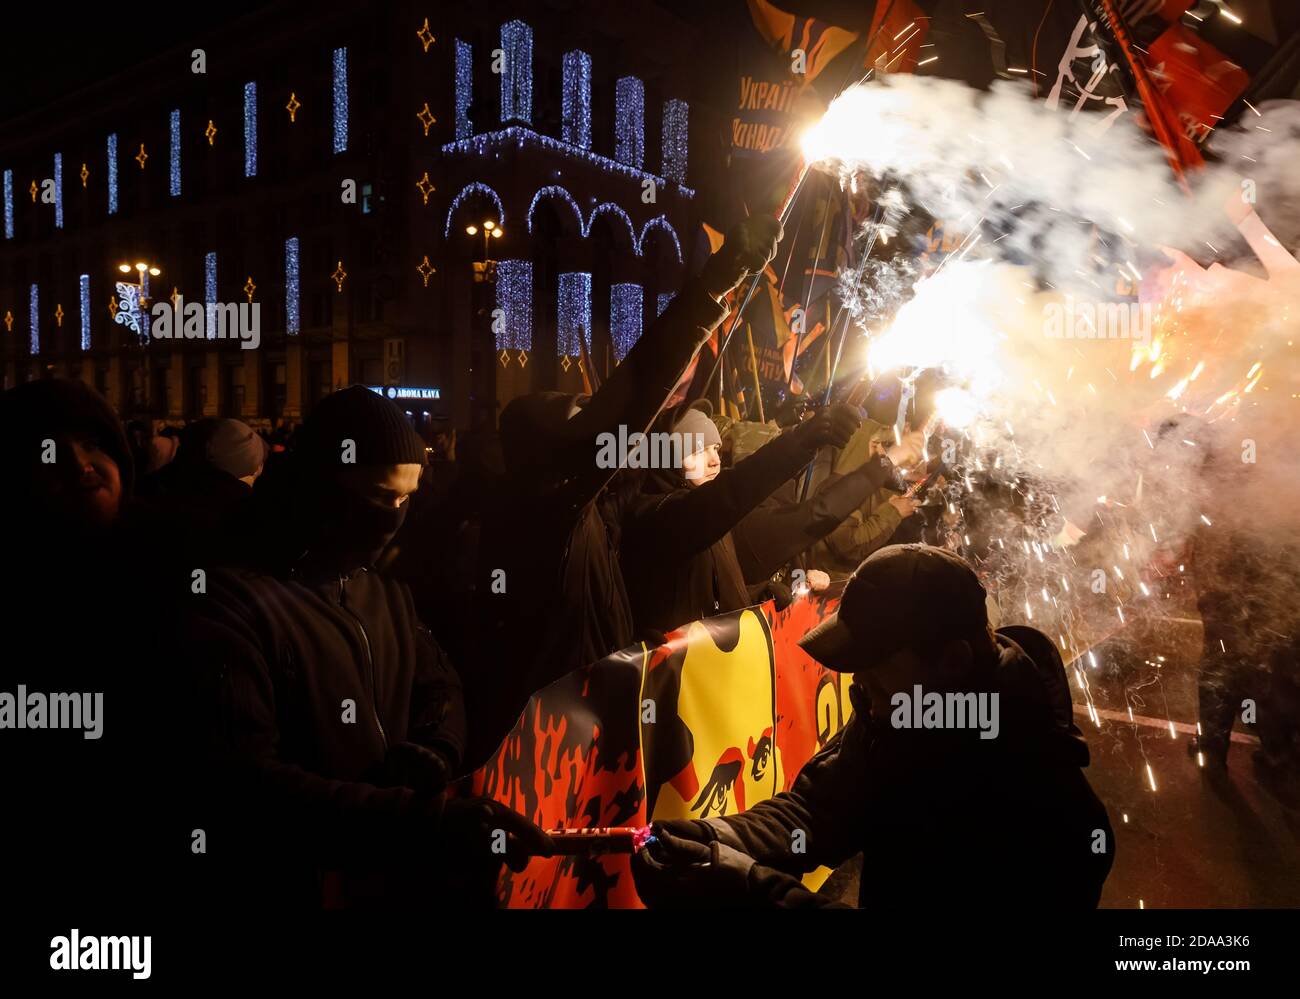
{"x":942,"y":818}
{"x":313,"y":678}
{"x":550,"y":594}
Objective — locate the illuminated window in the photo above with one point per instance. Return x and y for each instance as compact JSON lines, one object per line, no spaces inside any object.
{"x":464,"y":89}
{"x":175,"y":174}
{"x":576,"y":99}
{"x":515,"y":300}
{"x":517,"y":75}
{"x":629,"y":121}
{"x":624,"y":317}
{"x":574,"y":320}
{"x":210,"y":293}
{"x":292,"y":297}
{"x":83,"y":294}
{"x":34,"y":317}
{"x":676,"y":142}
{"x":112,"y":174}
{"x":250,"y":129}
{"x":58,"y":190}
{"x":340,"y":100}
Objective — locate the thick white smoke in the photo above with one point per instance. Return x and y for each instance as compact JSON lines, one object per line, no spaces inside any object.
{"x":1115,"y":411}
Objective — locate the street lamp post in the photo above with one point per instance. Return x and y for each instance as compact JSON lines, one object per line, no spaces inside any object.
{"x":491,"y":231}
{"x":132,"y":312}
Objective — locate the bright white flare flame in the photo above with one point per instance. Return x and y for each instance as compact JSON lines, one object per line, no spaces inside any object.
{"x":945,"y":327}
{"x":956,"y":407}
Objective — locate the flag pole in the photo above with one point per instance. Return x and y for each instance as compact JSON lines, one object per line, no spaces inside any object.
{"x":1151,"y":100}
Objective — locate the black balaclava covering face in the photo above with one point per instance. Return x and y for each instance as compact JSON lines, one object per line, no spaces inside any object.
{"x":348,"y":531}
{"x":337,"y":529}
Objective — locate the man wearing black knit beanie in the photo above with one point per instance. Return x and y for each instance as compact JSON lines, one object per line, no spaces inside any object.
{"x":331,"y":722}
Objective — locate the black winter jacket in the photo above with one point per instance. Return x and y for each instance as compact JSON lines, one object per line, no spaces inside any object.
{"x":550,"y":595}
{"x":680,"y":558}
{"x":305,"y":684}
{"x":943,"y":819}
{"x":781,"y":528}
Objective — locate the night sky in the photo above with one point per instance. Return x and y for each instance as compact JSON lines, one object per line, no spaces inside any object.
{"x":41,"y":65}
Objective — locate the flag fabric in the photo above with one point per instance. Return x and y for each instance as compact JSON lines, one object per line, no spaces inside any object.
{"x":721,"y":716}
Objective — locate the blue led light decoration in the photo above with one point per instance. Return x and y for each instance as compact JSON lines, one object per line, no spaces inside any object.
{"x":519,"y":137}
{"x":340,"y":100}
{"x":464,"y":88}
{"x":58,"y":190}
{"x":676,"y":140}
{"x":210,"y":293}
{"x":575,"y":101}
{"x":515,"y":300}
{"x":174,"y":177}
{"x":250,"y":129}
{"x":517,"y":72}
{"x":144,"y":305}
{"x":662,"y":302}
{"x":574,"y":319}
{"x":112,"y":174}
{"x":629,"y":121}
{"x":292,"y":296}
{"x":9,"y":204}
{"x":83,"y":295}
{"x":624,"y":317}
{"x":555,"y":191}
{"x":34,"y":316}
{"x":469,"y":190}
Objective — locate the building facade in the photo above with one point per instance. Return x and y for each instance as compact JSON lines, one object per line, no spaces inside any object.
{"x":452,"y":207}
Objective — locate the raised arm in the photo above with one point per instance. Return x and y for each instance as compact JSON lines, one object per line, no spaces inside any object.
{"x":688,"y":521}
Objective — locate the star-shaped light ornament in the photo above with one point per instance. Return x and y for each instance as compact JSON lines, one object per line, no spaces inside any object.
{"x":425,"y":187}
{"x":425,"y":35}
{"x":426,"y":117}
{"x":426,"y":270}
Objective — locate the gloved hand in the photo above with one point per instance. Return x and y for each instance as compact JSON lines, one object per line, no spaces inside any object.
{"x":673,"y":873}
{"x":696,"y":830}
{"x":471,"y":831}
{"x":831,"y":427}
{"x":747,"y":249}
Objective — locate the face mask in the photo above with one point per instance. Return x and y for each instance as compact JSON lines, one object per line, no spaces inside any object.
{"x":352,"y":530}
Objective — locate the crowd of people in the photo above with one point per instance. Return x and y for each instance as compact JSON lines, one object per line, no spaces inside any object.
{"x":305,"y":644}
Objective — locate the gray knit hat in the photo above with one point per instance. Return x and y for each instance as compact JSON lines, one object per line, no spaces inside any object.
{"x":693,"y":423}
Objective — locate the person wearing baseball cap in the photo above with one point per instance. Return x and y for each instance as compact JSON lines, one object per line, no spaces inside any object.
{"x":948,"y":810}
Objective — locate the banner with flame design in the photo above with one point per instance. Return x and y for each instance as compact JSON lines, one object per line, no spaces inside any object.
{"x":722,"y":715}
